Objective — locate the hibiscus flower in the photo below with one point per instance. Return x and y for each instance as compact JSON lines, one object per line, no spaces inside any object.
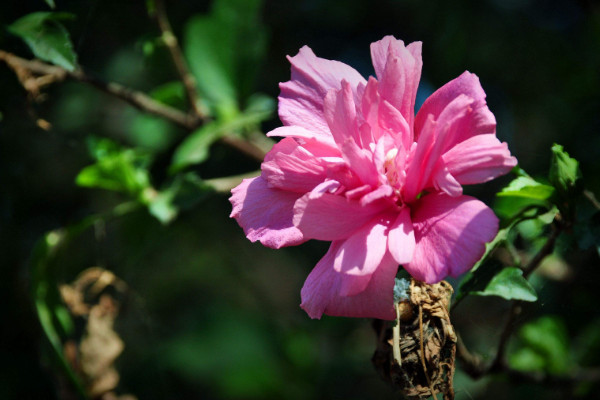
{"x":356,"y":167}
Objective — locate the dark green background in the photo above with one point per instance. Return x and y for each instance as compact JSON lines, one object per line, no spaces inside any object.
{"x":213,"y":316}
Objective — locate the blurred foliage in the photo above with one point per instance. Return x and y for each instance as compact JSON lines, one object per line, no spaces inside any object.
{"x":543,"y":346}
{"x":210,"y":315}
{"x":47,"y":37}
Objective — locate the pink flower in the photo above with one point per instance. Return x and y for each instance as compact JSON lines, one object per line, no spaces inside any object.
{"x":356,"y":167}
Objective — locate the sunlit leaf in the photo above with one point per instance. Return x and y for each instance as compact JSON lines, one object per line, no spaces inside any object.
{"x":544,"y":346}
{"x":118,"y":169}
{"x":509,"y":284}
{"x":47,"y":37}
{"x":527,"y":188}
{"x":521,"y":193}
{"x":50,"y":3}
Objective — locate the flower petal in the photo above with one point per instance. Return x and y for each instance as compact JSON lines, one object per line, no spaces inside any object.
{"x":321,"y":293}
{"x":427,"y":168}
{"x":398,"y":69}
{"x":401,"y":238}
{"x":291,"y":167}
{"x":480,"y":119}
{"x":479,"y":159}
{"x":326,"y":216}
{"x":265,"y":213}
{"x":450,"y":234}
{"x":301,"y":98}
{"x":340,"y":113}
{"x":359,"y":256}
{"x":298,"y":132}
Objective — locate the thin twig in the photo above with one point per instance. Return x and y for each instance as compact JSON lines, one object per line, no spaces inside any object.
{"x":546,"y":250}
{"x":135,"y":98}
{"x":139,"y":100}
{"x":515,"y":310}
{"x":189,"y":82}
{"x":472,"y":363}
{"x":224,"y":185}
{"x":592,"y":198}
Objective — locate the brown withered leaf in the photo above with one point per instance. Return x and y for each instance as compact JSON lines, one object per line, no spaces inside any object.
{"x":92,"y":297}
{"x":427,"y":344}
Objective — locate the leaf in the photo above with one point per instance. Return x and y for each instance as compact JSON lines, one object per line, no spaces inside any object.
{"x":565,"y":175}
{"x":184,"y":192}
{"x":171,"y":94}
{"x":564,"y":172}
{"x":47,"y":37}
{"x":118,"y":169}
{"x":47,"y":301}
{"x":224,"y":50}
{"x":195,"y":148}
{"x":544,"y":346}
{"x":510,"y":285}
{"x":528,"y":188}
{"x":521,"y":193}
{"x":149,"y":132}
{"x":50,"y":3}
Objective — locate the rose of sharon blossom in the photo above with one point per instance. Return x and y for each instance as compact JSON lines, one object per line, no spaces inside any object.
{"x":356,"y":167}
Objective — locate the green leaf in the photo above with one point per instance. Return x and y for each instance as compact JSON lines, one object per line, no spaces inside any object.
{"x":195,"y":148}
{"x":521,"y":193}
{"x":564,"y":172}
{"x":528,"y":188}
{"x":150,"y":133}
{"x":543,"y":346}
{"x":171,"y":94}
{"x":510,"y":285}
{"x":118,"y":169}
{"x":50,"y":3}
{"x":565,"y":175}
{"x":224,"y":50}
{"x":47,"y":37}
{"x":185,"y":191}
{"x":53,"y":319}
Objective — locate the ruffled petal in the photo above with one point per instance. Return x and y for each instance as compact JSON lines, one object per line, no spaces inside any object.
{"x":301,"y":98}
{"x":479,"y":159}
{"x":298,"y":132}
{"x":480,"y":119}
{"x":400,"y":78}
{"x":265,"y":213}
{"x":401,"y":238}
{"x":427,"y":168}
{"x":450,"y":234}
{"x":359,"y":256}
{"x":326,"y":216}
{"x":291,"y":167}
{"x":321,"y":293}
{"x":340,"y":113}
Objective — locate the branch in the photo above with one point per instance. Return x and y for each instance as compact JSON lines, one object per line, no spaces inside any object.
{"x":474,"y":365}
{"x":189,"y":82}
{"x":224,"y":185}
{"x":48,"y":74}
{"x":52,"y":73}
